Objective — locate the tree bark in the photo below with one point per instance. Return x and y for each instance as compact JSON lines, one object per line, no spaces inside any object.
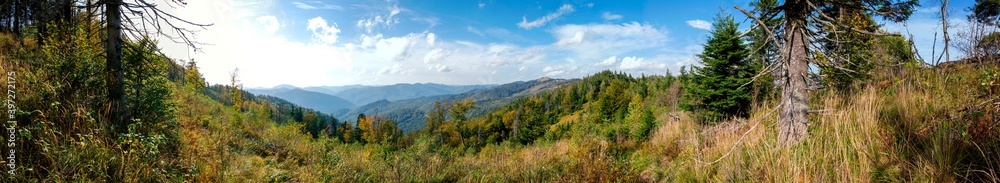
{"x":794,"y":96}
{"x":115,"y":68}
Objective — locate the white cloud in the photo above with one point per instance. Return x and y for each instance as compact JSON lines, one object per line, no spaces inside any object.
{"x":375,"y":58}
{"x":394,"y":69}
{"x":437,"y":55}
{"x":609,"y":39}
{"x":504,"y":54}
{"x":369,"y":24}
{"x":558,"y":70}
{"x":607,"y":62}
{"x":482,"y":4}
{"x":270,"y":23}
{"x":441,"y":68}
{"x":321,"y":32}
{"x":608,"y":16}
{"x":565,"y":9}
{"x":431,"y":21}
{"x":576,"y":39}
{"x":631,"y":63}
{"x":431,"y":38}
{"x":312,"y":5}
{"x":700,"y":24}
{"x":474,"y":30}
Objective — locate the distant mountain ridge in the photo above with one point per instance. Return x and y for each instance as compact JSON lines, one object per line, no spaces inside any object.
{"x":364,"y":94}
{"x":403,"y":91}
{"x":410,"y":114}
{"x":315,"y":100}
{"x":404,"y":103}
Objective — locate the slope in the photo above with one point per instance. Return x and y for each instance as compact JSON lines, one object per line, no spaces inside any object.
{"x":409,"y":114}
{"x":314,"y":100}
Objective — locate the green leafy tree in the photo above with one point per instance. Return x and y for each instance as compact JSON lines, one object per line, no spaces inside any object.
{"x":986,"y":11}
{"x":714,"y":91}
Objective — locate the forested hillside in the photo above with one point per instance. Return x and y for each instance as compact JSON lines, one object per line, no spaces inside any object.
{"x":410,"y":114}
{"x":817,"y":91}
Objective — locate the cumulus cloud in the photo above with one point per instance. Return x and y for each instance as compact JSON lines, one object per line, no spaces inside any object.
{"x":700,"y":24}
{"x":609,"y":39}
{"x":631,"y":63}
{"x":608,"y":16}
{"x":321,"y":32}
{"x":640,"y":63}
{"x":565,"y":9}
{"x":270,"y":23}
{"x":576,"y":39}
{"x":431,"y":38}
{"x":608,"y":62}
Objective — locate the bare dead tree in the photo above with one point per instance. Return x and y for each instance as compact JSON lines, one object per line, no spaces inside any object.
{"x":135,"y":20}
{"x":944,"y":29}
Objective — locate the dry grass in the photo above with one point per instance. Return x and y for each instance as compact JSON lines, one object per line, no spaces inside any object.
{"x":909,"y":129}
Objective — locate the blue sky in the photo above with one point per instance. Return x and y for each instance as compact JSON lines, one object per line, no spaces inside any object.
{"x":334,"y":42}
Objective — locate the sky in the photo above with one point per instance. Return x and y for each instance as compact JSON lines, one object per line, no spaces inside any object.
{"x":382,"y":42}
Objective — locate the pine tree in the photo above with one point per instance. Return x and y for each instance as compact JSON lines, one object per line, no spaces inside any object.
{"x":714,"y":91}
{"x":848,"y":59}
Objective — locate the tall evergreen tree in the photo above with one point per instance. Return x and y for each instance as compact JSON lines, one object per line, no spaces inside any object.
{"x":798,"y":33}
{"x":714,"y":91}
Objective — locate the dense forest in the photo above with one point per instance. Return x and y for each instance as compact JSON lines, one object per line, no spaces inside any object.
{"x":864,"y":109}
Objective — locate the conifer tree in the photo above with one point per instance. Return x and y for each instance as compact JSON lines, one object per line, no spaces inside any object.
{"x":714,"y":91}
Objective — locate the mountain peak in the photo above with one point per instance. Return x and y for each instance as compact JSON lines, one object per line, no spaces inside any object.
{"x":543,"y":79}
{"x":285,"y":86}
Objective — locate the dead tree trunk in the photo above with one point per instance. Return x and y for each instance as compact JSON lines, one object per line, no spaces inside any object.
{"x":115,"y":68}
{"x":944,"y":29}
{"x":794,"y":95}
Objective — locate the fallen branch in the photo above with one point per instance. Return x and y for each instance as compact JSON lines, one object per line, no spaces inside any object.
{"x":821,"y":110}
{"x":676,"y":118}
{"x":741,"y":138}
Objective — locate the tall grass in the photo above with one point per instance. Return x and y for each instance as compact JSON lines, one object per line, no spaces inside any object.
{"x":913,"y":126}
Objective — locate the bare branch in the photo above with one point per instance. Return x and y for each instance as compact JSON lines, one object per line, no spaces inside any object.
{"x":775,"y":109}
{"x":759,"y":22}
{"x":825,"y":19}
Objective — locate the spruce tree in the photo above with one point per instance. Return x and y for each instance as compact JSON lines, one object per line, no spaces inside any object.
{"x":714,"y":91}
